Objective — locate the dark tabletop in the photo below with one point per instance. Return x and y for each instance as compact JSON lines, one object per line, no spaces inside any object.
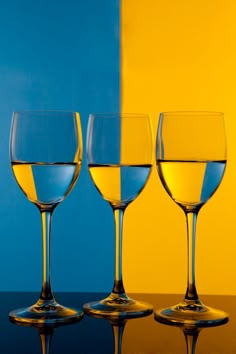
{"x":95,"y":336}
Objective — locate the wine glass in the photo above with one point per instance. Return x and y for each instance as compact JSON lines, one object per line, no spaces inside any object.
{"x":119,"y":155}
{"x":46,"y":157}
{"x":191,"y":161}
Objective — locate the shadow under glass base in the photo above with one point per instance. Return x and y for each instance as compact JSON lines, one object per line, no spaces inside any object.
{"x":118,"y":306}
{"x":191,"y":314}
{"x":46,"y":313}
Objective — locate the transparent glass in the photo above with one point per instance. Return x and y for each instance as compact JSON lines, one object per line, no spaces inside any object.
{"x":46,"y":157}
{"x":119,"y":156}
{"x":191,"y":161}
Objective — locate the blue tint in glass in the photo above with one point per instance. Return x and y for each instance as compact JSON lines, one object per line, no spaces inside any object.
{"x":107,"y":139}
{"x":133,"y":179}
{"x":212,"y":178}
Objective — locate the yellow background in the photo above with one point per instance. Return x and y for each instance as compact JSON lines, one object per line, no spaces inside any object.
{"x":180,"y":55}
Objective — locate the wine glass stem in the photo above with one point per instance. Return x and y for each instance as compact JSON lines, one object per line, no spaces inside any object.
{"x":118,"y":287}
{"x":46,"y":293}
{"x":191,"y":293}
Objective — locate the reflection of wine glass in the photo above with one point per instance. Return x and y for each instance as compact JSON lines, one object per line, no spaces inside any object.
{"x":118,"y":327}
{"x":119,"y":153}
{"x":45,"y":331}
{"x":191,"y":336}
{"x":46,"y":155}
{"x":45,"y":334}
{"x":191,"y":160}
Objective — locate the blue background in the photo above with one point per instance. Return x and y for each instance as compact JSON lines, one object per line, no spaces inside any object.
{"x":62,"y":55}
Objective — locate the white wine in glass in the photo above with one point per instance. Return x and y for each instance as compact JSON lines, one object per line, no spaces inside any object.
{"x":46,"y":157}
{"x":119,"y":155}
{"x":191,"y":161}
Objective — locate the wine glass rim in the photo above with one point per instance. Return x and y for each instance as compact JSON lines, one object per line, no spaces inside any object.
{"x":193,"y":113}
{"x":42,"y":111}
{"x":122,"y":115}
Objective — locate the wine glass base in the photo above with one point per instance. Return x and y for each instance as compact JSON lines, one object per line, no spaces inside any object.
{"x":46,"y":314}
{"x":191,"y":314}
{"x":118,"y":306}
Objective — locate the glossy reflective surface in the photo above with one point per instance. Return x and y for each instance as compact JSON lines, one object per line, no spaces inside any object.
{"x":99,"y":336}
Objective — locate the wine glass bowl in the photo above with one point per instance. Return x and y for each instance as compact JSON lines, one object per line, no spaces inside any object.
{"x":46,"y":157}
{"x":191,"y":162}
{"x":119,"y":156}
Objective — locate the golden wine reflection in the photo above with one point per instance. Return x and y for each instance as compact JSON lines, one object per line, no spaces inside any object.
{"x":191,"y":336}
{"x":137,"y":335}
{"x":118,"y":326}
{"x":142,"y":336}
